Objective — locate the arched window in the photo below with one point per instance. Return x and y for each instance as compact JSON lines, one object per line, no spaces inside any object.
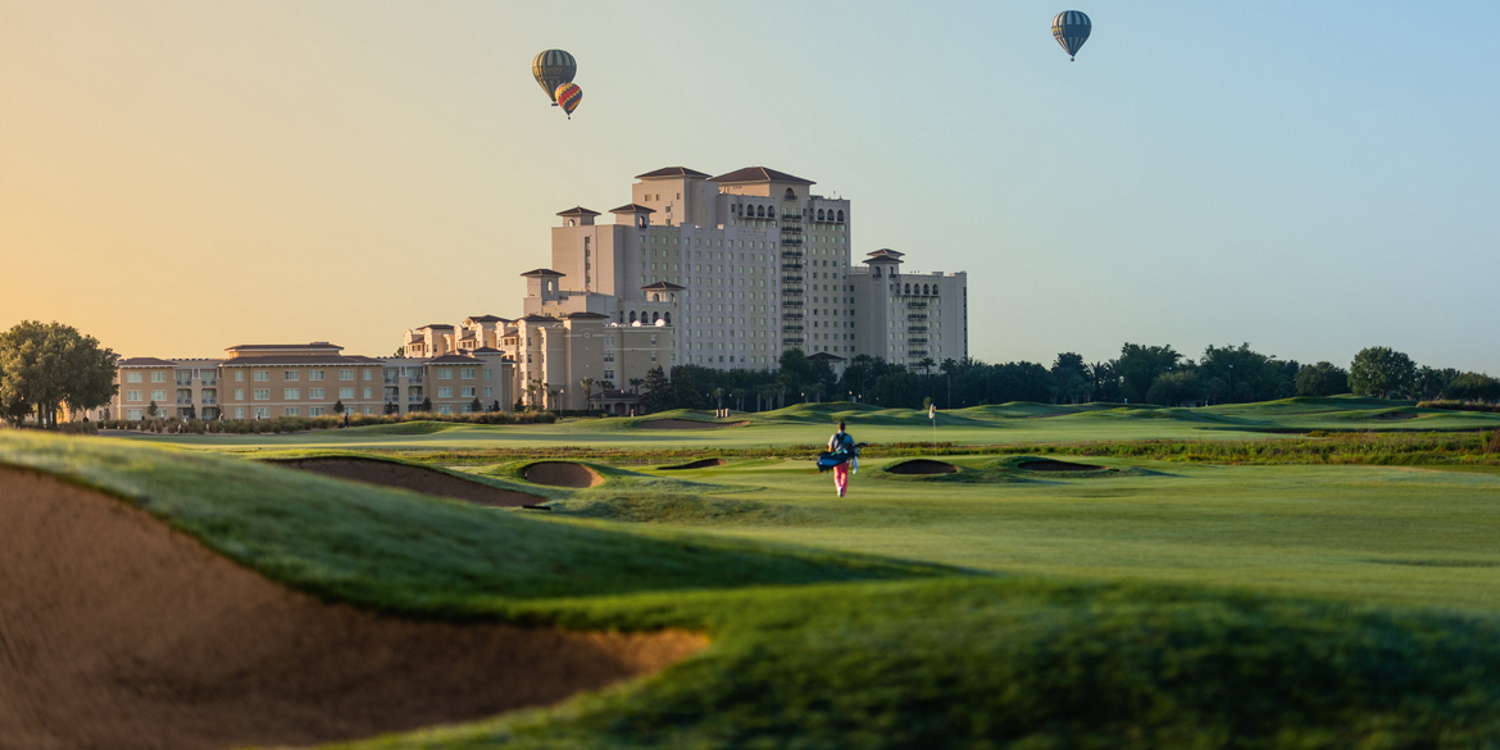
{"x":655,"y":317}
{"x":875,"y":272}
{"x":820,"y":214}
{"x":760,"y":211}
{"x":841,"y":216}
{"x":908,"y":289}
{"x":934,"y":290}
{"x":667,"y":316}
{"x":632,"y":316}
{"x":924,"y":289}
{"x":655,"y":297}
{"x":790,"y":195}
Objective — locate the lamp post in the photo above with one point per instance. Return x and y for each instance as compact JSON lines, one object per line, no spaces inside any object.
{"x":1231,"y":384}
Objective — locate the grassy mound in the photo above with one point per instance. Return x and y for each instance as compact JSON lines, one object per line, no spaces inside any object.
{"x":676,"y":508}
{"x":984,"y":663}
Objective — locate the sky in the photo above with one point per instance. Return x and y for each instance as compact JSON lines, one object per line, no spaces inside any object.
{"x":178,"y":177}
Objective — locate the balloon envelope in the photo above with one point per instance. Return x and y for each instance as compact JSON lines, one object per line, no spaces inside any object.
{"x":568,"y":96}
{"x":553,"y":68}
{"x":1071,"y":29}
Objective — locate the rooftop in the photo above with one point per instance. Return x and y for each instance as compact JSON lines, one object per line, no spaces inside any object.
{"x":759,"y":174}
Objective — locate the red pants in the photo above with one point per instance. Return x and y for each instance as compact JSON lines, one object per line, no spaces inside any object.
{"x":841,"y":478}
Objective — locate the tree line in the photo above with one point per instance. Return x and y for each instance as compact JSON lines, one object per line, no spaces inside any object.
{"x":46,"y":367}
{"x":1141,"y":374}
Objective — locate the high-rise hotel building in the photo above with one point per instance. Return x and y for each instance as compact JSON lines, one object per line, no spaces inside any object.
{"x":745,"y":266}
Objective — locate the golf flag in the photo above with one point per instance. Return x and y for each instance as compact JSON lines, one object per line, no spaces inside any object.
{"x":932,"y":411}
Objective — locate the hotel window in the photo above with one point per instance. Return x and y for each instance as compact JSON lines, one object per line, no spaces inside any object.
{"x":133,"y":396}
{"x":158,"y":377}
{"x":158,"y":395}
{"x":367,"y":393}
{"x":262,"y":376}
{"x":468,"y":391}
{"x":262,"y":394}
{"x":239,"y":376}
{"x":292,"y":411}
{"x":133,"y":377}
{"x":445,"y":391}
{"x":262,"y":412}
{"x":346,"y":393}
{"x":291,"y":394}
{"x":291,"y":375}
{"x":369,"y":374}
{"x":445,"y":373}
{"x":346,"y":374}
{"x":133,"y":414}
{"x":239,"y":394}
{"x":315,"y":394}
{"x":315,"y":375}
{"x":489,"y":392}
{"x":239,"y":412}
{"x":467,"y":373}
{"x":315,"y":411}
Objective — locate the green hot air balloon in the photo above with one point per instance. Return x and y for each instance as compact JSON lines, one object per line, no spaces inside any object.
{"x":1071,"y":29}
{"x":553,"y":68}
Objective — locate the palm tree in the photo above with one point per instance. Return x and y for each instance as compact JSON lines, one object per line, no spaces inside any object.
{"x":588,"y":392}
{"x":635,"y":385}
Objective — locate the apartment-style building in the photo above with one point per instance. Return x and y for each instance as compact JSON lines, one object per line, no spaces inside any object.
{"x":262,"y":381}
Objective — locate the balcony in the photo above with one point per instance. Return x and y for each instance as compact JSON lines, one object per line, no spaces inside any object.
{"x":791,"y":303}
{"x":917,"y":316}
{"x":791,"y":340}
{"x":184,"y":383}
{"x":791,"y":241}
{"x":392,"y":380}
{"x":793,"y":328}
{"x":917,"y":353}
{"x":916,"y":329}
{"x":184,"y":402}
{"x":916,"y":305}
{"x":791,"y":266}
{"x":793,"y":290}
{"x":210,"y":401}
{"x":917,"y":341}
{"x":791,"y":217}
{"x":791,"y":316}
{"x":791,"y":255}
{"x":206,"y":382}
{"x":791,"y":230}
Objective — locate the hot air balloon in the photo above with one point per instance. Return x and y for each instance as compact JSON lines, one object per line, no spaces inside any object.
{"x":1071,"y":29}
{"x":553,"y":68}
{"x":568,"y":95}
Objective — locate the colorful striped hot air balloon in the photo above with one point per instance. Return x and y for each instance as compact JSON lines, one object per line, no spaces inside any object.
{"x":553,"y":68}
{"x":1071,"y":29}
{"x":568,"y":96}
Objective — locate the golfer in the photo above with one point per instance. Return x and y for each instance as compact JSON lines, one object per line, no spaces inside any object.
{"x":843,"y":442}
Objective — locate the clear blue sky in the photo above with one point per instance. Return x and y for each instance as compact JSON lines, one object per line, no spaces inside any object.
{"x":1312,"y":178}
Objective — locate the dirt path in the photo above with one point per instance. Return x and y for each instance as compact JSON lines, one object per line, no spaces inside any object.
{"x":117,"y":632}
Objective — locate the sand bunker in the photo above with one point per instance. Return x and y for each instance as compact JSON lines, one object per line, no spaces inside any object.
{"x":685,"y":424}
{"x":562,"y":474}
{"x":702,"y":463}
{"x":1043,"y":464}
{"x":117,"y":632}
{"x":414,"y":478}
{"x":922,"y":466}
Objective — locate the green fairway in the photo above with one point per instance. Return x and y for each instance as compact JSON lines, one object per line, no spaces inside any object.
{"x":811,"y":424}
{"x":1199,"y":578}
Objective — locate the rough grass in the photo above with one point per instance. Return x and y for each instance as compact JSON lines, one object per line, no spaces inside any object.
{"x":393,"y":550}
